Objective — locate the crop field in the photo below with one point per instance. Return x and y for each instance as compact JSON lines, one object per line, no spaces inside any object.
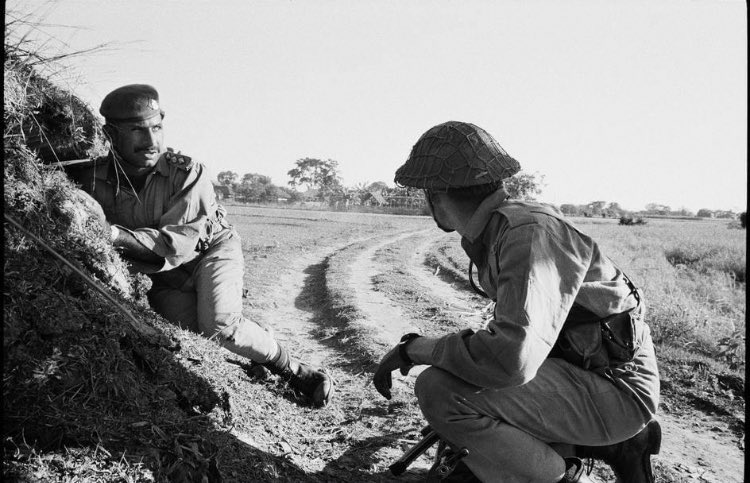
{"x":339,"y":289}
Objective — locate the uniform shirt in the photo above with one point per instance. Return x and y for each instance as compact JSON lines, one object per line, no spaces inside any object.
{"x":175,"y":214}
{"x":534,"y":265}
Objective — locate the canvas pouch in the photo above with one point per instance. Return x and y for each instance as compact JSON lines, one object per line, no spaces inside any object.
{"x":596,"y":344}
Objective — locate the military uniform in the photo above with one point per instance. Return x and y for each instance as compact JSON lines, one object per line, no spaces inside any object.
{"x":485,"y":390}
{"x":175,"y":215}
{"x":168,"y":224}
{"x":567,"y":358}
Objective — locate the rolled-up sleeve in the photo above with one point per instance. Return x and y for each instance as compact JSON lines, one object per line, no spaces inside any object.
{"x":184,"y":224}
{"x":540,"y":271}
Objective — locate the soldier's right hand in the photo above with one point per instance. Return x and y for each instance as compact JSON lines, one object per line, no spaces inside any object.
{"x":382,"y":379}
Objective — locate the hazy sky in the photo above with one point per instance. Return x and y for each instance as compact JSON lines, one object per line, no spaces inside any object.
{"x":633,"y":102}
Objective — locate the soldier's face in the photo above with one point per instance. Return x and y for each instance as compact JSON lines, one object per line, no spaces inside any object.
{"x":433,"y":211}
{"x":140,"y":143}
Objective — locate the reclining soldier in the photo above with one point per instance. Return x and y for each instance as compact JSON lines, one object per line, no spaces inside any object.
{"x":565,"y":369}
{"x":166,"y":222}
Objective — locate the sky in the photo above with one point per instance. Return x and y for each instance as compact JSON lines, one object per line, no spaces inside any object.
{"x":631,"y":102}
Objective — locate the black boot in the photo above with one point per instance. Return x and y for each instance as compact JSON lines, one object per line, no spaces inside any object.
{"x":460,"y":474}
{"x":313,"y":383}
{"x":574,"y":471}
{"x":631,"y":459}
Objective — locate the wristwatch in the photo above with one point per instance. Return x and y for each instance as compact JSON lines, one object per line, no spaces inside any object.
{"x":402,"y":348}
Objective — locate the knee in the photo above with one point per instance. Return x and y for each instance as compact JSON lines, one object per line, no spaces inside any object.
{"x":434,"y":393}
{"x":221,"y":326}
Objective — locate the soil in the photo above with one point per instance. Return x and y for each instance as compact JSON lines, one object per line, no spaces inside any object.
{"x":697,"y":445}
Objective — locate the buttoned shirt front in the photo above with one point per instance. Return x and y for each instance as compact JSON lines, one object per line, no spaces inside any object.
{"x":534,"y":264}
{"x":175,"y":214}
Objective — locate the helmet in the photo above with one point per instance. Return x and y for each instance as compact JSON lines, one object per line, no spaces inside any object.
{"x":456,"y":155}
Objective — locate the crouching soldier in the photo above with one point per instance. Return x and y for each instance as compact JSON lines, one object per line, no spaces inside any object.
{"x":567,"y":361}
{"x":166,"y":222}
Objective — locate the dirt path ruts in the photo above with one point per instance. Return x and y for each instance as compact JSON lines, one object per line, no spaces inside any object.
{"x":692,"y":450}
{"x":382,"y":314}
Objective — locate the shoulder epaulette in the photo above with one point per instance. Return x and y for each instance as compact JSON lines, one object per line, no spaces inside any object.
{"x":179,"y":160}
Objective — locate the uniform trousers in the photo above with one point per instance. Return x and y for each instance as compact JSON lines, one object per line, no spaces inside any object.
{"x":509,"y":431}
{"x":205,"y":296}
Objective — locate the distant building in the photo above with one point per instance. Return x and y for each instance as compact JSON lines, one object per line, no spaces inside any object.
{"x":222,"y":191}
{"x":374,"y":198}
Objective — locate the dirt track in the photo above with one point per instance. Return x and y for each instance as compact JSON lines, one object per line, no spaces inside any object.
{"x":696,"y":448}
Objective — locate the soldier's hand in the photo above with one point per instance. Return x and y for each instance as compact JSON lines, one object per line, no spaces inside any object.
{"x":382,"y":378}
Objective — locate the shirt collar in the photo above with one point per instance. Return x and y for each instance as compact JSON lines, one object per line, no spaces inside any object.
{"x":482,"y":215}
{"x":161,"y":167}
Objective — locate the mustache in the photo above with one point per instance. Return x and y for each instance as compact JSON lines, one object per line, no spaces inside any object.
{"x":148,"y":149}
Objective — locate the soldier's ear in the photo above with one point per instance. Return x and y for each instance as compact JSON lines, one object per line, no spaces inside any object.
{"x":110,"y":132}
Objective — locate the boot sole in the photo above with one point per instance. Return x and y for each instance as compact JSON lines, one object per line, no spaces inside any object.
{"x":654,"y":446}
{"x":654,"y":438}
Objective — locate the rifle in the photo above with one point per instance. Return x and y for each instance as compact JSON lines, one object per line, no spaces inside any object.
{"x":445,"y":458}
{"x":429,"y":437}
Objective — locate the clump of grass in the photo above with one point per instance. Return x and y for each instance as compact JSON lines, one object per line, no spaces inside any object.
{"x":630,"y":220}
{"x":50,"y":121}
{"x":708,"y":256}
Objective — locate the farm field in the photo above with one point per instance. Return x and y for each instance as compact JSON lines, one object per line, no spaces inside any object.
{"x":340,"y":288}
{"x":363,"y":280}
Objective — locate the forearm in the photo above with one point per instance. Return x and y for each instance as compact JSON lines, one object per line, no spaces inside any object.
{"x":131,"y":248}
{"x":420,"y":350}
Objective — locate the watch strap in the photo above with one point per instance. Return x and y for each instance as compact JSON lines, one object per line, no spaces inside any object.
{"x":405,"y":340}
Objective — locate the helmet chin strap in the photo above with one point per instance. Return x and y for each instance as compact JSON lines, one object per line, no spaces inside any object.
{"x":473,"y":284}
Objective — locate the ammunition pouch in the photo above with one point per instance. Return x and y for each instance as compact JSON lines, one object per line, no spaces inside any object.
{"x":597,"y":344}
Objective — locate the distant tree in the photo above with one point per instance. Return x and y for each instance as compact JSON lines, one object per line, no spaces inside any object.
{"x":227,"y":177}
{"x":570,"y":210}
{"x":290,"y":194}
{"x":524,"y":186}
{"x":250,"y":178}
{"x":657,"y":209}
{"x":613,"y":210}
{"x":683,"y":212}
{"x":377,"y":186}
{"x":704,"y":213}
{"x":595,"y":208}
{"x":256,"y":187}
{"x":317,"y":174}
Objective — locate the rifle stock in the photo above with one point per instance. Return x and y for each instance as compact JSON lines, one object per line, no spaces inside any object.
{"x":429,"y":438}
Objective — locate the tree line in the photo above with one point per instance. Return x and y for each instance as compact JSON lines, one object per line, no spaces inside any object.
{"x":313,"y":179}
{"x":613,"y":210}
{"x":318,"y":180}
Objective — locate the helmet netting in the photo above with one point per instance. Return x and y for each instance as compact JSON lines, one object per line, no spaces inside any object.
{"x":455,"y":155}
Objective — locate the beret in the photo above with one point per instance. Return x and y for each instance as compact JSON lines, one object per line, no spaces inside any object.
{"x":134,"y":102}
